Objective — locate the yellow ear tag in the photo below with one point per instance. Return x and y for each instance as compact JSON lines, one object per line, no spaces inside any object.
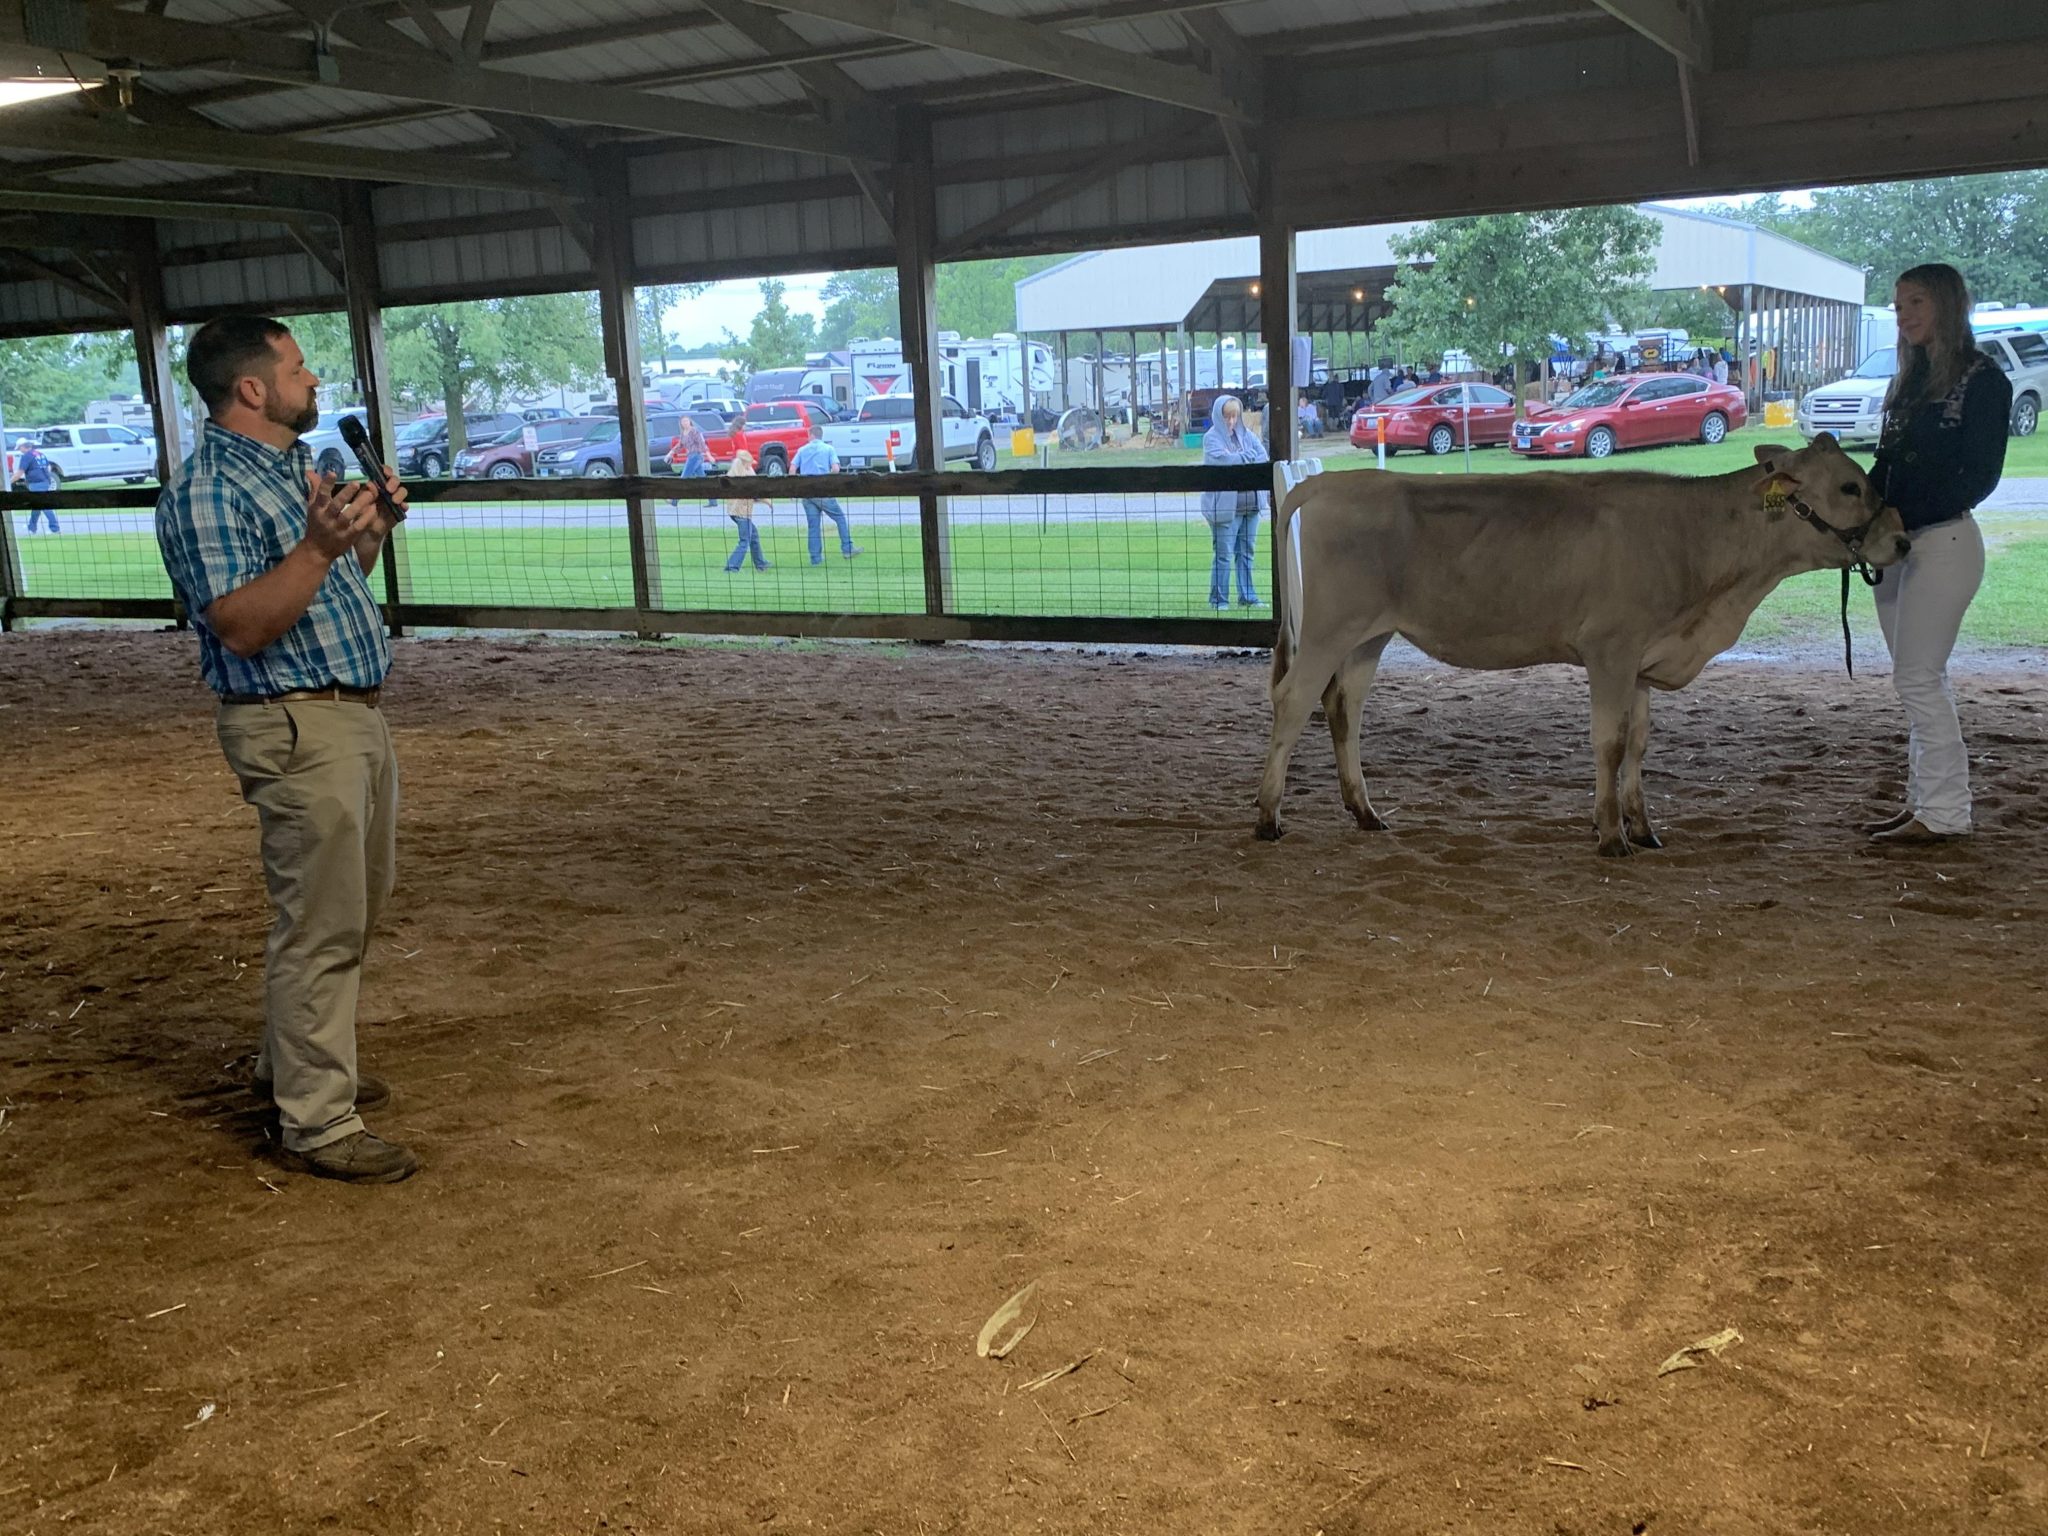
{"x":1776,"y":497}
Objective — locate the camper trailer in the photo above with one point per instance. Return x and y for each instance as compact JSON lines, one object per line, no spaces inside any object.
{"x":988,"y":376}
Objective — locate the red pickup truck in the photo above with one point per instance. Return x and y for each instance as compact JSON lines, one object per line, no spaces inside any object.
{"x":774,"y":429}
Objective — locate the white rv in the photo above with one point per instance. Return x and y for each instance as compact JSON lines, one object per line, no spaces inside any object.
{"x":986,"y":375}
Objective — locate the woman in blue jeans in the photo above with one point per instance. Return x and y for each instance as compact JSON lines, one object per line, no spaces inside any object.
{"x":1232,"y":516}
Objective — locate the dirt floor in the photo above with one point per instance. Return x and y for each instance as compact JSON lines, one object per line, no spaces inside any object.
{"x":767,"y":1016}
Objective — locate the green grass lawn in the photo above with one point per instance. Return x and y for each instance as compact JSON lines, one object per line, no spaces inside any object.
{"x":1104,"y":566}
{"x":2025,"y":457}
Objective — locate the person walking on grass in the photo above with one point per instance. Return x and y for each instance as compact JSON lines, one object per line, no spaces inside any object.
{"x":817,"y":458}
{"x":37,"y":474}
{"x":273,"y":563}
{"x":1232,"y":516}
{"x":1940,"y":452}
{"x":687,"y":453}
{"x":741,"y":510}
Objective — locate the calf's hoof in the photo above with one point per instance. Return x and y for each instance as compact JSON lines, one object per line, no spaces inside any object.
{"x":1645,"y":838}
{"x":1368,"y":820}
{"x":1268,"y":830}
{"x":1615,"y":847}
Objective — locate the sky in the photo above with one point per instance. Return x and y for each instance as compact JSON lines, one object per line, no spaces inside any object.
{"x":732,"y":305}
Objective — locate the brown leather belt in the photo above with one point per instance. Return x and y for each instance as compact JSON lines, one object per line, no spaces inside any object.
{"x":336,"y":694}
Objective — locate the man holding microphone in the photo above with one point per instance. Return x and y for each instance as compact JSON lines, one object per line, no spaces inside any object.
{"x":273,"y":561}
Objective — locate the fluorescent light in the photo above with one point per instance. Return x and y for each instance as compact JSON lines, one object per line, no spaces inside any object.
{"x":14,"y":93}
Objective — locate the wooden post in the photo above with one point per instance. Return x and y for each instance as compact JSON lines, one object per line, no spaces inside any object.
{"x":1277,"y":289}
{"x":363,"y":293}
{"x":917,"y":302}
{"x":13,"y":581}
{"x":611,"y":226}
{"x":152,"y":347}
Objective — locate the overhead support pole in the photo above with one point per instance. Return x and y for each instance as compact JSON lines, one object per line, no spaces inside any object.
{"x":1277,"y":306}
{"x":917,"y":298}
{"x":363,"y":294}
{"x":1233,"y":60}
{"x":83,"y":283}
{"x":611,"y":221}
{"x":94,"y":205}
{"x":414,"y":74}
{"x":108,"y":140}
{"x":835,"y":93}
{"x":985,"y":35}
{"x":1095,"y":171}
{"x":152,"y":347}
{"x":1675,"y":26}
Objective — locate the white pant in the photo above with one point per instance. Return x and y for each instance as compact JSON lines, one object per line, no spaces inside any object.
{"x":1920,"y":606}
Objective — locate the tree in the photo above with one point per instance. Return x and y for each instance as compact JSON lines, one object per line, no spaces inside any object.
{"x":45,"y":379}
{"x":1994,"y":229}
{"x":979,"y":298}
{"x":858,"y":304}
{"x":477,"y":354}
{"x":1516,"y":280}
{"x":652,"y":304}
{"x":780,"y":338}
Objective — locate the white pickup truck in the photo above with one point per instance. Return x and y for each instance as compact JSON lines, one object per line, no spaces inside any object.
{"x":864,"y":443}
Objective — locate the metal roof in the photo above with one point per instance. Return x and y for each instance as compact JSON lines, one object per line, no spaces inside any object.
{"x":1212,"y":285}
{"x":756,"y":138}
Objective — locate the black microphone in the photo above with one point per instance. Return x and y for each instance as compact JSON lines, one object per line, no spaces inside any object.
{"x":357,"y":436}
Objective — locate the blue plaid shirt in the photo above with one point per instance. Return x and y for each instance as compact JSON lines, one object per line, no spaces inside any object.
{"x":231,"y":513}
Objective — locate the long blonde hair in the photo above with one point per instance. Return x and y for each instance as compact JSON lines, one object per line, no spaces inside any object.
{"x":1930,"y":372}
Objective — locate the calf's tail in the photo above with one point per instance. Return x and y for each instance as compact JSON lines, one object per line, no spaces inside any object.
{"x":1287,"y":595}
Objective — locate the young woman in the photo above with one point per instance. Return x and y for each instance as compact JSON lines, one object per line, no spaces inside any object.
{"x":741,"y":510}
{"x":1941,"y":452}
{"x":1232,"y":516}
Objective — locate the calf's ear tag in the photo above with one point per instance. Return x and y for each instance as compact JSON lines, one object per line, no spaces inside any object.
{"x":1776,"y":497}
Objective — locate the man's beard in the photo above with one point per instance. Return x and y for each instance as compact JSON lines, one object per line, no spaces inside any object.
{"x":301,"y":422}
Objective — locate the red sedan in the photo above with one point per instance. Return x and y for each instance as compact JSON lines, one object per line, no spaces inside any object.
{"x":1437,"y":417}
{"x":1631,"y":411}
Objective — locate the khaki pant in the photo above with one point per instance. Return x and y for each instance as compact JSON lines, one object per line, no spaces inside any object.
{"x":324,"y":781}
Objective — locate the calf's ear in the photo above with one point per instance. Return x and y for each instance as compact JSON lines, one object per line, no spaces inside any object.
{"x":1773,"y":455}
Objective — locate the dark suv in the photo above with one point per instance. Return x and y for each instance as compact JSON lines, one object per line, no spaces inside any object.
{"x":600,"y":455}
{"x":423,"y":444}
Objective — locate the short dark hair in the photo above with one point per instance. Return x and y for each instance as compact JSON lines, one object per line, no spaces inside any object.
{"x":230,"y":348}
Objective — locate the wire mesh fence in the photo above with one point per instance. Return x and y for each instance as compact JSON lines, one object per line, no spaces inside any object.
{"x":862,"y":545}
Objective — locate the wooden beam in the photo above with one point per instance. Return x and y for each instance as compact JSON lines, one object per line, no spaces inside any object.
{"x":162,"y":43}
{"x":618,"y":315}
{"x":917,"y":301}
{"x":107,"y":140}
{"x":837,"y":94}
{"x":985,"y":35}
{"x":474,"y":26}
{"x":1672,"y":25}
{"x":152,"y":347}
{"x":143,"y":205}
{"x":1226,"y":54}
{"x":84,"y":284}
{"x":1100,"y":169}
{"x":363,"y":296}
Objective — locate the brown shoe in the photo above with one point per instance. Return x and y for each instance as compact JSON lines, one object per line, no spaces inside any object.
{"x":1889,"y":824}
{"x":358,"y":1159}
{"x":371,"y":1092}
{"x":1913,"y":834}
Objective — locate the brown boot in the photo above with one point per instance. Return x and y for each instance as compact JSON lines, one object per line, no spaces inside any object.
{"x":1889,"y":824}
{"x":1912,"y":834}
{"x":358,"y":1159}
